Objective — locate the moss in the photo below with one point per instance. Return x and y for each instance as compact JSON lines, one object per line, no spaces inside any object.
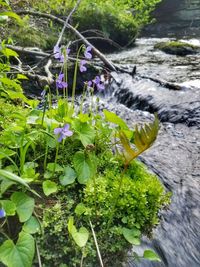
{"x":177,"y":48}
{"x":141,"y":197}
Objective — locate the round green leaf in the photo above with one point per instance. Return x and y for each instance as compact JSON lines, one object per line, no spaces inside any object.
{"x":68,"y":177}
{"x":132,"y":235}
{"x":31,"y":226}
{"x":81,"y":237}
{"x":24,"y":205}
{"x":49,"y":187}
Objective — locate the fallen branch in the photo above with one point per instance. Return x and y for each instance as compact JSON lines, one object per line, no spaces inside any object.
{"x":109,"y":64}
{"x":171,"y":86}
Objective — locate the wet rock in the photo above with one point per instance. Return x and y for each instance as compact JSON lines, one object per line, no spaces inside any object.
{"x":181,"y":106}
{"x":177,"y":48}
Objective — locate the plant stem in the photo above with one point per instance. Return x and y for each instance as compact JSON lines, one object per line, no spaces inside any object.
{"x":56,"y":157}
{"x":96,"y":244}
{"x":75,"y":76}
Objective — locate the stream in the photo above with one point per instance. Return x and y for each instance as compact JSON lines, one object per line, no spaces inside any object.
{"x":175,"y":156}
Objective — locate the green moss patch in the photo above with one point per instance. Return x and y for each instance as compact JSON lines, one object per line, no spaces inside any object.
{"x":177,"y":48}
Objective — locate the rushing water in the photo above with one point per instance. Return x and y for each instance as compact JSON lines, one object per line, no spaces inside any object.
{"x":175,"y":156}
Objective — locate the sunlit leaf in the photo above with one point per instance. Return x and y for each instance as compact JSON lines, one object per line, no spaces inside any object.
{"x":20,"y":254}
{"x":151,"y":255}
{"x":113,"y":118}
{"x":9,"y":207}
{"x":85,"y":132}
{"x":31,"y":226}
{"x":49,"y":187}
{"x":143,"y":139}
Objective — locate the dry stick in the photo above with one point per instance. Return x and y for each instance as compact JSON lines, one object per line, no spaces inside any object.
{"x":109,"y":64}
{"x":66,"y":22}
{"x":96,"y":244}
{"x":38,"y":255}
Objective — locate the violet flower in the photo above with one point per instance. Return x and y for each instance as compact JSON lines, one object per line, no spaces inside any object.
{"x":87,"y":52}
{"x":59,"y":81}
{"x":2,"y":213}
{"x":89,"y":83}
{"x":63,"y":132}
{"x":82,"y":66}
{"x":97,"y":81}
{"x":58,"y":54}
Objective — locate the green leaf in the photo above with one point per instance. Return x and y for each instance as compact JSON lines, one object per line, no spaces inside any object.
{"x":85,"y":132}
{"x":49,"y":187}
{"x":80,"y":209}
{"x":12,"y":15}
{"x":81,"y":237}
{"x":151,"y":255}
{"x":113,"y":118}
{"x":132,"y":235}
{"x":5,"y":184}
{"x":68,"y":177}
{"x":143,"y":139}
{"x":22,"y":77}
{"x":5,"y":152}
{"x":9,"y":52}
{"x":83,"y":167}
{"x":13,"y":177}
{"x":24,"y":205}
{"x":70,"y":225}
{"x":31,"y":226}
{"x":54,"y":167}
{"x":20,"y":254}
{"x":9,"y":207}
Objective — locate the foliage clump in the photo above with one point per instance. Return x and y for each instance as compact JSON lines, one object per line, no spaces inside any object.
{"x":119,"y":21}
{"x":70,"y":191}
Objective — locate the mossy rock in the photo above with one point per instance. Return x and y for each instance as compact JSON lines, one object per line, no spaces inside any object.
{"x":177,"y":48}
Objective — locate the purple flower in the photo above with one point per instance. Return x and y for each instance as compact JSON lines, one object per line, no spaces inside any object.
{"x":100,"y":86}
{"x":87,"y":52}
{"x":89,"y":83}
{"x":58,"y":54}
{"x":63,"y":132}
{"x":82,"y":66}
{"x":59,"y":81}
{"x":96,"y":80}
{"x":2,"y":213}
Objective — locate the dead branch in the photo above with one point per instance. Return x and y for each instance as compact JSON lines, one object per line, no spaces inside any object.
{"x":66,"y":22}
{"x":172,"y":86}
{"x":109,"y":64}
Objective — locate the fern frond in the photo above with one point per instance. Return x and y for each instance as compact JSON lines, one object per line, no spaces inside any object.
{"x":144,"y":137}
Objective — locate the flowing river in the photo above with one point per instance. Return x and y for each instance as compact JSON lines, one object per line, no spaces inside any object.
{"x":175,"y":156}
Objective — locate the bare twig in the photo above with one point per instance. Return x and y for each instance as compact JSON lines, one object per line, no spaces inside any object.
{"x":66,"y":22}
{"x":38,"y":255}
{"x":99,"y":38}
{"x":96,"y":244}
